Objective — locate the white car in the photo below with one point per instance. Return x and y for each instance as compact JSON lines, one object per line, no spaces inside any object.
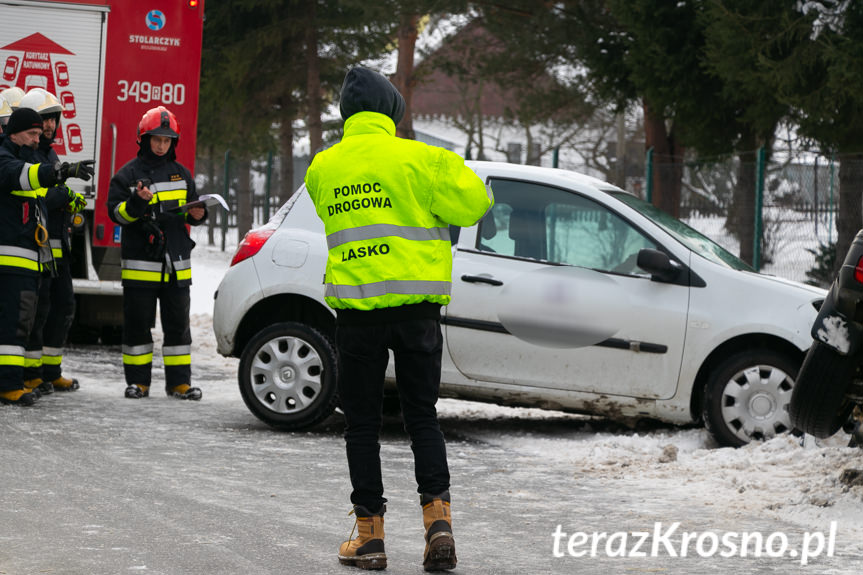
{"x":571,"y":294}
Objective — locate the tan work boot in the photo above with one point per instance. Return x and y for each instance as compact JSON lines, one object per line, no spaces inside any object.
{"x":18,"y":397}
{"x":137,"y":391}
{"x":184,"y":391}
{"x":366,"y":551}
{"x":32,"y":384}
{"x":439,"y":553}
{"x":65,"y":384}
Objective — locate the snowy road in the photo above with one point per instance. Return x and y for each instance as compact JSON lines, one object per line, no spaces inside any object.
{"x":92,"y":483}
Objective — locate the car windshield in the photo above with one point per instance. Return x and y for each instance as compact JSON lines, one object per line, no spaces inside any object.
{"x":697,"y":242}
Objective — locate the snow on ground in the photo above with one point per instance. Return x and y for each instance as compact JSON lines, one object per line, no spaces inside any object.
{"x":784,"y":479}
{"x":778,"y":479}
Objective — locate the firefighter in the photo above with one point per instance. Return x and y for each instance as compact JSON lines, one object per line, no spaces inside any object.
{"x":386,"y":204}
{"x":56,"y":305}
{"x":20,"y":236}
{"x":145,"y":198}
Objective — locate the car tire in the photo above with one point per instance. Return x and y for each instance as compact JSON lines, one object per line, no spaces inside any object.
{"x":288,"y":376}
{"x":746,"y":397}
{"x":819,"y":404}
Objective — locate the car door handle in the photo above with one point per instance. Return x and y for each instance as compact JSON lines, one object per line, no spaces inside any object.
{"x":481,"y":280}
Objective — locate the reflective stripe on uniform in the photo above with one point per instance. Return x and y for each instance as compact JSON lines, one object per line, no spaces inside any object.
{"x":147,"y":271}
{"x":52,"y":356}
{"x":12,"y":355}
{"x":376,"y":289}
{"x":162,"y":187}
{"x":138,"y":354}
{"x":183,"y":268}
{"x":143,"y":276}
{"x":169,"y":191}
{"x":169,"y":195}
{"x":177,"y":354}
{"x":56,"y":248}
{"x":376,"y":231}
{"x":142,"y":265}
{"x":121,"y":214}
{"x":13,"y":256}
{"x":33,"y":358}
{"x":29,"y":178}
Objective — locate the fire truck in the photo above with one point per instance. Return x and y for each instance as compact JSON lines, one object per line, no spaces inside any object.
{"x":108,"y":62}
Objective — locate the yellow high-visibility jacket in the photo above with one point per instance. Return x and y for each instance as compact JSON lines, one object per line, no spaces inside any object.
{"x":386,"y":204}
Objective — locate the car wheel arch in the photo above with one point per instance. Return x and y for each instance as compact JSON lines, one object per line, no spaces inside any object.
{"x":710,"y":387}
{"x":730,"y":348}
{"x":284,"y":308}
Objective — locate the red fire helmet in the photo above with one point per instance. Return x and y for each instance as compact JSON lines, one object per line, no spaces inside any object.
{"x":159,"y":121}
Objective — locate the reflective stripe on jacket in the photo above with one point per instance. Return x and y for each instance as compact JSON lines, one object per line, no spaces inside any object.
{"x":386,"y":204}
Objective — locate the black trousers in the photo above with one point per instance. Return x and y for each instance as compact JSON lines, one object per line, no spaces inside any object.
{"x":363,"y":358}
{"x":62,"y":311}
{"x":18,"y":295}
{"x":33,"y":349}
{"x":139,"y":317}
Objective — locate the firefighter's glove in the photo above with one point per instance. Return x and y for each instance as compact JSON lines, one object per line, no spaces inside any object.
{"x":77,"y":202}
{"x":80,"y":170}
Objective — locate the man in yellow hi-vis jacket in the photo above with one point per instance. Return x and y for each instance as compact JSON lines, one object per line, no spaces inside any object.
{"x":387,"y":204}
{"x":144,"y":198}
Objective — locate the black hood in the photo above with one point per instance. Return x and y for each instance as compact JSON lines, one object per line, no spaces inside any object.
{"x":146,"y":153}
{"x":365,"y":90}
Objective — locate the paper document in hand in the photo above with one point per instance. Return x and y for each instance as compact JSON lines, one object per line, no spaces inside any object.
{"x":206,"y":200}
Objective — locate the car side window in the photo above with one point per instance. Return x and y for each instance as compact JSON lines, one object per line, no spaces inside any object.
{"x":539,"y":222}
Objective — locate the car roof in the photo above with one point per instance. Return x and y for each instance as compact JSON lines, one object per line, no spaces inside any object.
{"x":549,"y":175}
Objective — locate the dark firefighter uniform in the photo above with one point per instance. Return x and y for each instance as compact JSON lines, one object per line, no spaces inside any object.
{"x":56,"y":304}
{"x":19,"y":253}
{"x":156,"y":262}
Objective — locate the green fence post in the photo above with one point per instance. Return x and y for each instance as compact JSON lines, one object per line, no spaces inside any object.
{"x":227,"y":196}
{"x":759,"y":206}
{"x":648,"y":175}
{"x":830,"y":204}
{"x":555,"y":157}
{"x":267,"y":186}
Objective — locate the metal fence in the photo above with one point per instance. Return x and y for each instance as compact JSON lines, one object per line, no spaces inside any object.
{"x":796,"y":214}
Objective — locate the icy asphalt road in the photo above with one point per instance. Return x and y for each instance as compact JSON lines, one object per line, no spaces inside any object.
{"x":92,"y":483}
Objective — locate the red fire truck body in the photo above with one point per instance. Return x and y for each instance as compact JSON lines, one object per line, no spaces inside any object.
{"x":108,"y":62}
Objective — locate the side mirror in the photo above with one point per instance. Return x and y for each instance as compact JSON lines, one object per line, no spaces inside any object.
{"x":658,"y":264}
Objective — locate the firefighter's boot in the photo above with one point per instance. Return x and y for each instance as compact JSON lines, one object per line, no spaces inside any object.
{"x":439,"y":553}
{"x":46,"y":388}
{"x":366,"y":551}
{"x":184,"y":391}
{"x":137,"y":391}
{"x":18,"y":397}
{"x":65,"y":384}
{"x":33,"y":385}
